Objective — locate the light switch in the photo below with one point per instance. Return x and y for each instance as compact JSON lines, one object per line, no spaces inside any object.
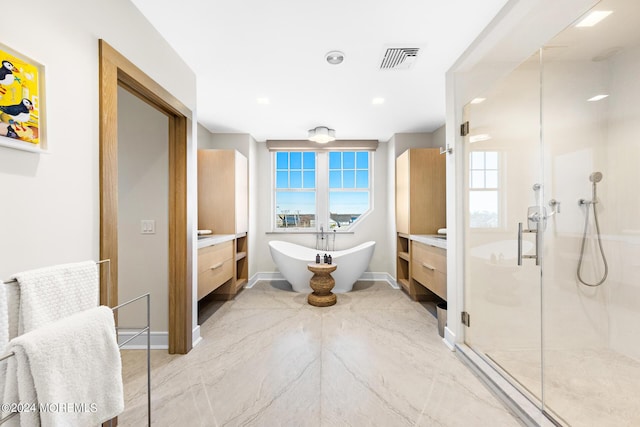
{"x":148,"y":226}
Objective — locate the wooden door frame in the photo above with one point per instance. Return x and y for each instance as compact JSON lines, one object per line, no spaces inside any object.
{"x":116,"y":70}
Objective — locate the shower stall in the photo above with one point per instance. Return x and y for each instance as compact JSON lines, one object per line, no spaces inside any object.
{"x":552,"y":233}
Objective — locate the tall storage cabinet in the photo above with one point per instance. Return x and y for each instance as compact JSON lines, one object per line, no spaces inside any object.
{"x":223,"y":191}
{"x":223,"y":208}
{"x":420,"y":206}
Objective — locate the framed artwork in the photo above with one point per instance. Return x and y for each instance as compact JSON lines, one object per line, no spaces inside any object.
{"x":21,"y":102}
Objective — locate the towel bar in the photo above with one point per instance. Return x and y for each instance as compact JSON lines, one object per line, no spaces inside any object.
{"x":141,"y":330}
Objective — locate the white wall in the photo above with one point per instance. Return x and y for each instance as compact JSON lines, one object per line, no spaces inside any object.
{"x":49,"y":203}
{"x":143,"y":193}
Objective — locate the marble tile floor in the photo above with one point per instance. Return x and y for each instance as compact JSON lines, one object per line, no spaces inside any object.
{"x":269,"y":359}
{"x":583,"y":387}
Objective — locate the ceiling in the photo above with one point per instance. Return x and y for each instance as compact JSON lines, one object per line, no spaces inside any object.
{"x":245,"y":50}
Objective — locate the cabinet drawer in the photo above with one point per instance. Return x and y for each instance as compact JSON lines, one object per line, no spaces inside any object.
{"x":429,"y":255}
{"x":433,"y":280}
{"x":214,"y":276}
{"x":210,"y":256}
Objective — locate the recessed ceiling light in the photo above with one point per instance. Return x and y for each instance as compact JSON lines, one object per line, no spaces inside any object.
{"x":479,"y":138}
{"x":334,"y":57}
{"x":377,"y":101}
{"x":593,"y":18}
{"x":477,"y":100}
{"x":263,"y":101}
{"x":597,"y":98}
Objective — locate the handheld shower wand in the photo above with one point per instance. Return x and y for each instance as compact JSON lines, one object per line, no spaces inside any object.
{"x":595,"y":178}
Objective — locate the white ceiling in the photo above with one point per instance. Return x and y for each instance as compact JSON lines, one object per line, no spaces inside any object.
{"x":247,"y":49}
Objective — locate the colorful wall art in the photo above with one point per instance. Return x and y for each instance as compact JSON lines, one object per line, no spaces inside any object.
{"x":20,"y":109}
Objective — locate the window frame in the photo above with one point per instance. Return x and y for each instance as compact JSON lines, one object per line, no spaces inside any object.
{"x":322,"y":190}
{"x":498,"y":189}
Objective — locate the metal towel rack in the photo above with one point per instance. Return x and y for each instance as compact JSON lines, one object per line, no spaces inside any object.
{"x":140,"y":330}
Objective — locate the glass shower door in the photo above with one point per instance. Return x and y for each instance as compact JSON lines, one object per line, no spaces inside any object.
{"x":503,"y":192}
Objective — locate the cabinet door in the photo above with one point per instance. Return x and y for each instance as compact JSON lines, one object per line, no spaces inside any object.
{"x":241,"y":193}
{"x":402,"y":193}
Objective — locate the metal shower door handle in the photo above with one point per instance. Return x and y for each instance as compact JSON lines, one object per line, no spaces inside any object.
{"x":538,"y":243}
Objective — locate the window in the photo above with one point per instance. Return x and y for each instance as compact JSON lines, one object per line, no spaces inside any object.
{"x":332,"y":188}
{"x":295,"y":195}
{"x":484,"y":200}
{"x":348,"y":187}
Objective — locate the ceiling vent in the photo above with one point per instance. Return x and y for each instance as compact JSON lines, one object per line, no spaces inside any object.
{"x":399,"y":58}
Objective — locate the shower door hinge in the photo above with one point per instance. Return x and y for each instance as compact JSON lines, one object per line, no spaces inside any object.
{"x":464,"y":129}
{"x":465,"y":318}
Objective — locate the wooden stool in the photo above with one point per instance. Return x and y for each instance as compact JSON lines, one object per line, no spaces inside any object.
{"x":322,"y":283}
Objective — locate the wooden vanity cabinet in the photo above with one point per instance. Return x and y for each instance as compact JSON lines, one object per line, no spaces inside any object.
{"x":223,"y":208}
{"x":420,"y":210}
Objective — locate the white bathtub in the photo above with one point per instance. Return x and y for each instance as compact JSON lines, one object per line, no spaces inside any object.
{"x":292,"y":261}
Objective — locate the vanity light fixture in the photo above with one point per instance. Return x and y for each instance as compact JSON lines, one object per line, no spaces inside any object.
{"x":335,"y":57}
{"x":593,"y":18}
{"x":597,"y":98}
{"x":322,"y":135}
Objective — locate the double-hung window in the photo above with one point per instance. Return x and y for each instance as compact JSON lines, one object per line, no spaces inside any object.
{"x":325,"y":188}
{"x":295,"y":192}
{"x":349,"y":193}
{"x":484,"y":189}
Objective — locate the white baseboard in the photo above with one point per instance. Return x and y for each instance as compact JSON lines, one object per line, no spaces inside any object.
{"x":159,"y":340}
{"x":195,"y":336}
{"x":367,"y":276}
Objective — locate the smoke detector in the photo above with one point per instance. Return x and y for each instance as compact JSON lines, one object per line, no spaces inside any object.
{"x":335,"y":57}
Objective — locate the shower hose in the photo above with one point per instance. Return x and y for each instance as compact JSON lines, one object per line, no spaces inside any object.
{"x":584,"y":241}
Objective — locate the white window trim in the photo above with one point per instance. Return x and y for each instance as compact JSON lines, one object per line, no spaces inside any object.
{"x":322,"y":196}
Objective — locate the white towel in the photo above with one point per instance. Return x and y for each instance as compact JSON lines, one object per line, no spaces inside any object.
{"x":52,"y":293}
{"x":73,"y":366}
{"x":13,"y":303}
{"x":4,"y":317}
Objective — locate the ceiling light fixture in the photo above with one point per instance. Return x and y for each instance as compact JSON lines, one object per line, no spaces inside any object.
{"x":377,"y":101}
{"x":335,"y":57}
{"x":593,"y":18}
{"x":263,"y":101}
{"x":478,"y":100}
{"x":597,"y":98}
{"x":322,"y":135}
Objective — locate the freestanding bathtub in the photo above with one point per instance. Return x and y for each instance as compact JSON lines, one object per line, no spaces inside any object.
{"x":292,"y":261}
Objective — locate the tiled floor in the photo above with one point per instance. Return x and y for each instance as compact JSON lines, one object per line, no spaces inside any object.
{"x":269,"y":359}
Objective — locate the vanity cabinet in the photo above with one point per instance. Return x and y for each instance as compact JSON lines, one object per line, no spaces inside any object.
{"x":223,"y":208}
{"x":420,"y":210}
{"x":429,"y":268}
{"x":215,"y":267}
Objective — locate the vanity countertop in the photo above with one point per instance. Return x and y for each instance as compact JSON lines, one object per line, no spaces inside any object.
{"x":213,"y":239}
{"x":437,"y":240}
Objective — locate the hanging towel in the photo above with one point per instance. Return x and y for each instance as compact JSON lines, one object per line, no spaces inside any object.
{"x":13,"y":303}
{"x":4,"y":317}
{"x":72,"y":366}
{"x":51,"y":293}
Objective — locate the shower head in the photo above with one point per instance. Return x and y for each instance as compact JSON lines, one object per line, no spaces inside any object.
{"x":595,"y":177}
